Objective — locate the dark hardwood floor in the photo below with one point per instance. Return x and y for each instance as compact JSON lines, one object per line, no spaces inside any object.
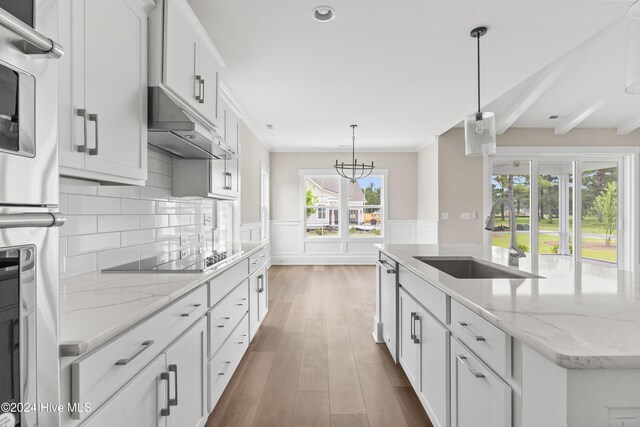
{"x":314,"y":363}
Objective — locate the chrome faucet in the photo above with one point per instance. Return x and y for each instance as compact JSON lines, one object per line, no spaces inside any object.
{"x":515,"y":253}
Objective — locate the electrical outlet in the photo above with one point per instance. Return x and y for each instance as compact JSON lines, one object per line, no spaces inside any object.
{"x":474,"y":215}
{"x":444,"y":215}
{"x":465,"y":215}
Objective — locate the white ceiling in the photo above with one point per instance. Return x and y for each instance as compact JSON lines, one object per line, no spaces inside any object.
{"x":403,"y":70}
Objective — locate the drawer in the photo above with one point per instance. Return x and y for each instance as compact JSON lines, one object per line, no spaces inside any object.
{"x":224,"y":283}
{"x":432,"y":298}
{"x":97,"y":375}
{"x":258,"y":259}
{"x":225,"y":362}
{"x":491,"y":344}
{"x":224,"y":317}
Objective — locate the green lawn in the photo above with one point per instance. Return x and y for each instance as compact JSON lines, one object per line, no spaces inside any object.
{"x":594,"y":248}
{"x":589,"y":225}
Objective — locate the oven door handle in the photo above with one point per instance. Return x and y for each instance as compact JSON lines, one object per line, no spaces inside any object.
{"x":31,"y":36}
{"x":47,"y":219}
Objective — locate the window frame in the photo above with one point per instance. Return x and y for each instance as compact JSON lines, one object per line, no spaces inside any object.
{"x":343,"y":208}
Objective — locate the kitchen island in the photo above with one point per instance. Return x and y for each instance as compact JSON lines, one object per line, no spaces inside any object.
{"x":561,"y":349}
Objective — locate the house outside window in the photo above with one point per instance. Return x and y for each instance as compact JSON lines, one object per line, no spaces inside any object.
{"x":328,"y":197}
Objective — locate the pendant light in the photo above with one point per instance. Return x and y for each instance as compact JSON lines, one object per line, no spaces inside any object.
{"x":353,"y":171}
{"x":480,"y":128}
{"x":632,"y":66}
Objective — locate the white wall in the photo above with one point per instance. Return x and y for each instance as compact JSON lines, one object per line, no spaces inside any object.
{"x":253,"y":154}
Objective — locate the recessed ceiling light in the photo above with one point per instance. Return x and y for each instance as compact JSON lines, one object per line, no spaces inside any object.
{"x":553,"y":117}
{"x":323,"y":13}
{"x":269,"y":126}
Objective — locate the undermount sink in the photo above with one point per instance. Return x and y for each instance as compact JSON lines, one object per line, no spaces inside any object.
{"x":471,"y":268}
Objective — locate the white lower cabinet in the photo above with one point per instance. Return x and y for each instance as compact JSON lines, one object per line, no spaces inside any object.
{"x":479,"y":398}
{"x":424,"y":355}
{"x":170,"y":391}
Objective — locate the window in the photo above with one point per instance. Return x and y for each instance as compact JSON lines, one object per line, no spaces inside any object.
{"x":328,"y":197}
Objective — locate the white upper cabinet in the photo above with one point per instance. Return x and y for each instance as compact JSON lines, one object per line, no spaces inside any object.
{"x":103,"y":90}
{"x":184,"y":60}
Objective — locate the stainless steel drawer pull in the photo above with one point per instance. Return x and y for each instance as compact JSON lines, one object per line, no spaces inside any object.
{"x":31,"y":36}
{"x":463,"y":359}
{"x":244,"y":300}
{"x":28,"y":220}
{"x":165,"y":412}
{"x":225,"y":323}
{"x":264,"y":255}
{"x":465,"y":327}
{"x":244,"y":336}
{"x":83,"y":113}
{"x":255,"y":261}
{"x":386,"y":266}
{"x":195,"y":307}
{"x":94,"y":118}
{"x":174,"y":401}
{"x":226,"y":366}
{"x":145,"y":345}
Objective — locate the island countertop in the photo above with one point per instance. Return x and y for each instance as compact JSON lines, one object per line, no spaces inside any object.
{"x":580,"y":315}
{"x":96,"y":307}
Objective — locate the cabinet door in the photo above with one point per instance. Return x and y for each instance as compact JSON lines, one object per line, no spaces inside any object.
{"x":479,"y":398}
{"x":208,"y":71}
{"x":115,"y":84}
{"x":186,"y":363}
{"x":233,"y":177}
{"x":434,"y":367}
{"x":254,"y":310}
{"x":139,"y":403}
{"x":409,"y":349}
{"x":218,"y":180}
{"x":263,"y":295}
{"x":179,"y":68}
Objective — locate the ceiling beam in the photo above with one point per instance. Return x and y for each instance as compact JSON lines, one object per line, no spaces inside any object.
{"x":545,"y":78}
{"x":629,"y":126}
{"x":590,"y":107}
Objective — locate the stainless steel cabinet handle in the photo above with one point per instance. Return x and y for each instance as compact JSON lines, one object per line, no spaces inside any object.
{"x":83,"y":113}
{"x":244,"y":336}
{"x":465,"y":327}
{"x":227,"y":180}
{"x":174,"y":401}
{"x":31,"y":36}
{"x":244,"y":300}
{"x":226,"y":366}
{"x":203,"y":92}
{"x":27,"y":220}
{"x":261,"y":283}
{"x":254,"y":262}
{"x":413,"y":334}
{"x":165,"y":412}
{"x":416,"y":340}
{"x":145,"y":345}
{"x":222,"y":325}
{"x":463,"y":359}
{"x":195,"y":307}
{"x":199,"y":82}
{"x":386,"y":266}
{"x":263,"y":255}
{"x":94,"y":118}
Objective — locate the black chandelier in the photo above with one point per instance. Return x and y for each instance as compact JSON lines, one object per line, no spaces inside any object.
{"x":353,"y":171}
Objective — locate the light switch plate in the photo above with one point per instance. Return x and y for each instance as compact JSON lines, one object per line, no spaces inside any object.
{"x":444,"y":215}
{"x":465,"y":215}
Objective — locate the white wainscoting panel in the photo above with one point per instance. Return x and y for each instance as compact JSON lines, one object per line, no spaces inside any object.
{"x":289,"y":246}
{"x":250,"y":232}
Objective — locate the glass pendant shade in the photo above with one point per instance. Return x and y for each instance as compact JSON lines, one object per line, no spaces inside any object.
{"x":480,"y":134}
{"x":632,"y":54}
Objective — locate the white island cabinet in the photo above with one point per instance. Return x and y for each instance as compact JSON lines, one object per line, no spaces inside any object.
{"x":531,"y":351}
{"x":103,"y":90}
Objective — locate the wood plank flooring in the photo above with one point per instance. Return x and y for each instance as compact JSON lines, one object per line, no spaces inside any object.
{"x":314,"y":363}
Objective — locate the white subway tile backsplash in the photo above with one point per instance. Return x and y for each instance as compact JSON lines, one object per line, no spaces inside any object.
{"x":107,"y":223}
{"x":113,"y":225}
{"x":79,"y":224}
{"x":118,"y":257}
{"x":154,"y":221}
{"x":122,"y":191}
{"x":78,"y":245}
{"x":138,"y":237}
{"x":75,"y":265}
{"x":92,"y":205}
{"x":130,"y":206}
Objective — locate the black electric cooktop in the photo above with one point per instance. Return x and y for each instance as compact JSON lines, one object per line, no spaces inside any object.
{"x":196,"y":263}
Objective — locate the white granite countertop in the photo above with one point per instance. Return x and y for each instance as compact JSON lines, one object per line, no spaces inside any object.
{"x":580,"y":315}
{"x":96,"y":307}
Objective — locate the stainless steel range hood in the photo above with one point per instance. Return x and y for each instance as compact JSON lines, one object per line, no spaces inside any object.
{"x":173,"y":129}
